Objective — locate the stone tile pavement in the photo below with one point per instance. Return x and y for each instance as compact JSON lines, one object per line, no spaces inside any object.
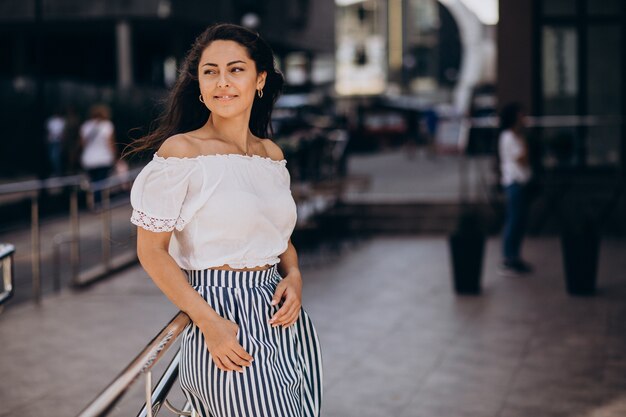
{"x":396,"y":340}
{"x":395,"y":177}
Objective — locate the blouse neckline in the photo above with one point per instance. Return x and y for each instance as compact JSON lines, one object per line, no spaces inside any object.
{"x":282,"y":162}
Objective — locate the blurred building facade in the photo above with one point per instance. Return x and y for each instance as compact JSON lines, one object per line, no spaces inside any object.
{"x":564,"y":58}
{"x":59,"y":53}
{"x":133,"y":42}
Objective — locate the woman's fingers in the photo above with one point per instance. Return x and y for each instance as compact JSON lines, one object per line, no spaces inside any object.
{"x":241,"y":353}
{"x":232,"y":361}
{"x":281,"y":288}
{"x":291,"y":303}
{"x":287,"y":310}
{"x":230,"y":365}
{"x":219,"y":363}
{"x":222,"y":343}
{"x":288,"y":316}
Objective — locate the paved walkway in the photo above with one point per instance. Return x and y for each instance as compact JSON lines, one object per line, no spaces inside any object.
{"x":395,"y":177}
{"x":396,"y":340}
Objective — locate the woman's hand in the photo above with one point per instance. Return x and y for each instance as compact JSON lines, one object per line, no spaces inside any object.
{"x":220,"y":336}
{"x":289,"y":290}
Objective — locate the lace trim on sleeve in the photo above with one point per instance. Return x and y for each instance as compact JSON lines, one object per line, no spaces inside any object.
{"x":153,"y":224}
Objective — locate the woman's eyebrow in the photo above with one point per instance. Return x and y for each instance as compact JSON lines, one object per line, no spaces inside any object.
{"x":229,"y":64}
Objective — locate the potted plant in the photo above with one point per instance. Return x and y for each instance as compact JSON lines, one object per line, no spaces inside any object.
{"x":467,"y":248}
{"x":580,"y":245}
{"x":581,"y":225}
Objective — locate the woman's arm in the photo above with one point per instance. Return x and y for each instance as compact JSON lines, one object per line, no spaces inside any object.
{"x":220,"y":334}
{"x":157,"y":262}
{"x":289,"y":289}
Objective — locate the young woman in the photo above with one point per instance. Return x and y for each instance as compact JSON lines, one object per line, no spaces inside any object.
{"x":215,"y":215}
{"x":516,"y":173}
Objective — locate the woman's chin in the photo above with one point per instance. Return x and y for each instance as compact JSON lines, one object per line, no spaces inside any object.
{"x":227,"y":112}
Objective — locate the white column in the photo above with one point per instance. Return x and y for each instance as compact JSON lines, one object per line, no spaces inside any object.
{"x":123,"y":39}
{"x":478,"y":56}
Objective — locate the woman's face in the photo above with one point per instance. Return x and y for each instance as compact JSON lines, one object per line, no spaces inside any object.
{"x":228,"y":79}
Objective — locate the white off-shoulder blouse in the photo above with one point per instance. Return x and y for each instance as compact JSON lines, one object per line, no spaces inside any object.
{"x":225,"y":209}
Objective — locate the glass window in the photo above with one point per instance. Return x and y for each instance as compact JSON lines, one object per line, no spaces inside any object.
{"x":603,"y":143}
{"x":361,"y":48}
{"x":604,"y":70}
{"x":605,"y":7}
{"x":560,"y":7}
{"x":604,"y":93}
{"x":560,"y":70}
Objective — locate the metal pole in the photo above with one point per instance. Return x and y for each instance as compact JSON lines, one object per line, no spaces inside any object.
{"x":106,"y":229}
{"x":75,"y":231}
{"x":35,"y":247}
{"x":149,"y":393}
{"x":56,"y":264}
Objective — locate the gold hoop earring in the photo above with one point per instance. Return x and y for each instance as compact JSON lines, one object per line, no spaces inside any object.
{"x":201,"y":99}
{"x":260,"y":92}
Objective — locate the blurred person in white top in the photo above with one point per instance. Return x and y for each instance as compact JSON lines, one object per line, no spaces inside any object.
{"x":55,"y":132}
{"x":99,"y":152}
{"x":515,"y":176}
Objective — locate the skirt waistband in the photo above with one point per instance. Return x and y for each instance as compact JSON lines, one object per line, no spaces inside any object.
{"x":231,"y":279}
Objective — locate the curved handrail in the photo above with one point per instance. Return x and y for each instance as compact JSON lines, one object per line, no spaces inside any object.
{"x":105,"y":401}
{"x":6,"y":259}
{"x":70,"y":180}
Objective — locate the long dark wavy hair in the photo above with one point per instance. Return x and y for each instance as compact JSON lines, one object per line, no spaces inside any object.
{"x":183,"y":111}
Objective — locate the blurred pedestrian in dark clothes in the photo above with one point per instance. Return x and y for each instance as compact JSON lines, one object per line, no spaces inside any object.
{"x":515,"y":177}
{"x":99,"y":153}
{"x":55,"y":131}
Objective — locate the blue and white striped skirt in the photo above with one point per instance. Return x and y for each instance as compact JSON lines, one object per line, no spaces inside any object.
{"x":285,"y":378}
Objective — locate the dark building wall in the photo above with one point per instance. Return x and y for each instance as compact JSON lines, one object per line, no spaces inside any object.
{"x":301,"y":24}
{"x":197,"y":10}
{"x":515,"y":53}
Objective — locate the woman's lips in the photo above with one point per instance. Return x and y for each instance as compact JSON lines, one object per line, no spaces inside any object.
{"x":225,"y":97}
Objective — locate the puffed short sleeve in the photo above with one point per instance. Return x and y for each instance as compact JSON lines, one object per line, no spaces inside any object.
{"x":158,"y":195}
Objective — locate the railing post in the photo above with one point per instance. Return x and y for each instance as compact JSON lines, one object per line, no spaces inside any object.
{"x":106,"y":228}
{"x":75,"y":231}
{"x":149,"y":393}
{"x":56,"y":263}
{"x":35,"y":247}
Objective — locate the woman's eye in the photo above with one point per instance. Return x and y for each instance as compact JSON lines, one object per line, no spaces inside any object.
{"x":236,"y":69}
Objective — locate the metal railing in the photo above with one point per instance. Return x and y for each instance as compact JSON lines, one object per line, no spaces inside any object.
{"x":6,"y":261}
{"x":33,"y":190}
{"x":103,"y":404}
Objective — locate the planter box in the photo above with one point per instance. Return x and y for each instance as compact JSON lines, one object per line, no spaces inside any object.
{"x":581,"y":250}
{"x":467,"y":249}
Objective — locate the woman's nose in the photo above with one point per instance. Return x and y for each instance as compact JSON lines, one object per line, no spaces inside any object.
{"x":222,"y":82}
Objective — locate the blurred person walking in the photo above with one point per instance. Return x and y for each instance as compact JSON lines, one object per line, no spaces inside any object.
{"x":515,"y":177}
{"x":55,"y":132}
{"x":215,"y":216}
{"x":99,"y":152}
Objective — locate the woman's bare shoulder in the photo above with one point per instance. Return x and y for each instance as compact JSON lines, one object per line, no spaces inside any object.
{"x":177,"y":146}
{"x":273,"y":150}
